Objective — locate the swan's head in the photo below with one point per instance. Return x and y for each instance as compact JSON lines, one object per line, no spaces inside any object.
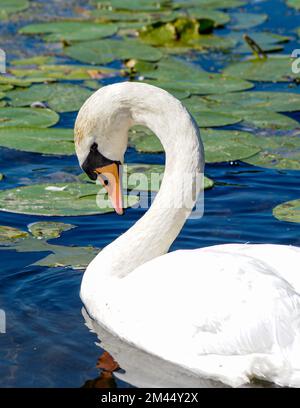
{"x":101,"y":136}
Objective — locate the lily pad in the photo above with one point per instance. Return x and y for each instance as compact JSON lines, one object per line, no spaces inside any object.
{"x":38,"y":60}
{"x":206,"y":119}
{"x":289,"y":211}
{"x":293,"y":3}
{"x":46,"y":141}
{"x":275,"y":69}
{"x":11,"y":233}
{"x":268,"y":42}
{"x":1,"y":176}
{"x":204,"y":85}
{"x":215,"y":4}
{"x":70,"y":30}
{"x":278,"y":151}
{"x":244,"y":21}
{"x":132,"y":5}
{"x":48,"y":229}
{"x":59,"y":97}
{"x":267,"y":101}
{"x":58,"y":199}
{"x":27,"y":117}
{"x":224,"y":145}
{"x":218,"y":17}
{"x":268,"y":120}
{"x":11,"y":80}
{"x":60,"y":256}
{"x":103,"y":52}
{"x":8,"y":7}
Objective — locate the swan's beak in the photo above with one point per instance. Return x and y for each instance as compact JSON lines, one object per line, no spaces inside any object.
{"x":110,"y":178}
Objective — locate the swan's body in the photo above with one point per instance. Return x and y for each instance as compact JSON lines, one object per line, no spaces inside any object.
{"x":226,"y":313}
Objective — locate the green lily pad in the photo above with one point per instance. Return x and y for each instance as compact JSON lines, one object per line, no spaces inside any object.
{"x":27,"y":117}
{"x":4,"y":87}
{"x":244,"y":21}
{"x":60,"y":256}
{"x":293,"y":3}
{"x":48,"y":229}
{"x":265,"y":70}
{"x":268,"y":42}
{"x":38,"y":60}
{"x":59,"y":97}
{"x":206,"y":119}
{"x":218,"y":17}
{"x":58,"y":199}
{"x":289,"y":211}
{"x":215,"y":4}
{"x":11,"y":233}
{"x":267,"y":101}
{"x":103,"y":52}
{"x":268,"y":120}
{"x":206,"y":84}
{"x":46,"y":141}
{"x":11,"y":80}
{"x":144,"y":5}
{"x":1,"y":176}
{"x":70,"y":30}
{"x":8,"y":7}
{"x":148,"y":177}
{"x":280,"y":152}
{"x":224,"y":145}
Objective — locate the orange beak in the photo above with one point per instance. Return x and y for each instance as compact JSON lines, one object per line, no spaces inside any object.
{"x":110,"y":179}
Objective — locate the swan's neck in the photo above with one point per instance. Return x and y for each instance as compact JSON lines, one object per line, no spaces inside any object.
{"x":152,"y":235}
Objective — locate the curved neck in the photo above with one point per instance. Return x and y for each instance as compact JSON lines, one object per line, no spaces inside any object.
{"x":152,"y":235}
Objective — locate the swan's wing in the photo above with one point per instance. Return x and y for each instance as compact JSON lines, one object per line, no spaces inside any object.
{"x":283,"y":260}
{"x":232,"y":314}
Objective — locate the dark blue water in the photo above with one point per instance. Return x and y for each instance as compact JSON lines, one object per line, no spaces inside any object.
{"x":46,"y":343}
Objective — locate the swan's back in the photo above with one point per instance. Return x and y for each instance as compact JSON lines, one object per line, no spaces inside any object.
{"x":228,"y":306}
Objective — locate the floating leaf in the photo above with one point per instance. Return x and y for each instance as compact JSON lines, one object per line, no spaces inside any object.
{"x":204,"y":85}
{"x":218,"y":17}
{"x":47,"y":141}
{"x":1,"y":176}
{"x":215,"y":4}
{"x":60,"y":256}
{"x":223,"y":145}
{"x":281,"y":152}
{"x":58,"y":199}
{"x":70,"y":30}
{"x":257,"y":100}
{"x":8,"y":7}
{"x":59,"y":97}
{"x":266,"y":70}
{"x":244,"y":21}
{"x":38,"y":60}
{"x":11,"y":233}
{"x":289,"y":211}
{"x":267,"y":41}
{"x":103,"y":52}
{"x":267,"y":120}
{"x":4,"y":88}
{"x":48,"y":229}
{"x":10,"y":80}
{"x":293,"y":3}
{"x":27,"y":117}
{"x":147,"y":5}
{"x":206,"y":119}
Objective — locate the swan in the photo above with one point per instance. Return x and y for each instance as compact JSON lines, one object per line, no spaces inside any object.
{"x":227,"y":313}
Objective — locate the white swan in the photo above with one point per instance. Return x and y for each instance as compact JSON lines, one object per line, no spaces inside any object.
{"x":227,"y":313}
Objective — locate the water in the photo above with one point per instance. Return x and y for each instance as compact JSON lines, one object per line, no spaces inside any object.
{"x":47,"y":343}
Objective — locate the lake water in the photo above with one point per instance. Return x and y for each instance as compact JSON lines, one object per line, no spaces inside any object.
{"x":47,"y":343}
